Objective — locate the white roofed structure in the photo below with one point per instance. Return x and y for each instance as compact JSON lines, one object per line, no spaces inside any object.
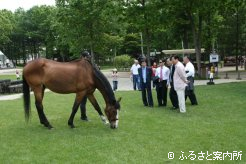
{"x":181,"y":51}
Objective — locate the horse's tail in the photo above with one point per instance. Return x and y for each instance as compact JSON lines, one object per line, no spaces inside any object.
{"x":26,"y":98}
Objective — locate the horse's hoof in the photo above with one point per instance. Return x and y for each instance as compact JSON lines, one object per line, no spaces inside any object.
{"x":48,"y":126}
{"x":72,"y":126}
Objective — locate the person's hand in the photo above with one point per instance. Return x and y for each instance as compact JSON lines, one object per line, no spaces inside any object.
{"x":187,"y":81}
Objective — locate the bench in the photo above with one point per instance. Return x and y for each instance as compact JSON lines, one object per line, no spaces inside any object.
{"x":15,"y":88}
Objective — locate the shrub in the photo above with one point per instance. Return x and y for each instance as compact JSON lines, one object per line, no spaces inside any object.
{"x":123,"y":61}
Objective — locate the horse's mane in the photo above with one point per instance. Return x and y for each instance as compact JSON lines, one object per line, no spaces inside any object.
{"x":76,"y":60}
{"x":104,"y":81}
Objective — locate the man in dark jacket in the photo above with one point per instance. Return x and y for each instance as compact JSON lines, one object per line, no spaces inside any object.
{"x":145,"y":74}
{"x":172,"y":94}
{"x":84,"y":55}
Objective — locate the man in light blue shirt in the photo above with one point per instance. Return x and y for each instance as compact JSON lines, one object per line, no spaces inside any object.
{"x":145,"y":74}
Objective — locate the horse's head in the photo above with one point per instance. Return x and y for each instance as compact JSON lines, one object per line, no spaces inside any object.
{"x":112,"y":112}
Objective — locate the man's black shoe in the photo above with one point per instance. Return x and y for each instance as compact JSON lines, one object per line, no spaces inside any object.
{"x":174,"y":108}
{"x":84,"y":119}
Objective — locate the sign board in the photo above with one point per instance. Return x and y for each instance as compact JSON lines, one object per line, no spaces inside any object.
{"x":154,"y":53}
{"x":214,"y":58}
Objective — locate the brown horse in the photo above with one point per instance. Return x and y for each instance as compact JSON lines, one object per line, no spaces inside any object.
{"x":79,"y":77}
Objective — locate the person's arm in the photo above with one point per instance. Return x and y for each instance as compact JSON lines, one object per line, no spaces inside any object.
{"x":181,"y":73}
{"x":131,"y":70}
{"x":150,"y":73}
{"x":156,"y":72}
{"x":168,"y":74}
{"x":191,"y":70}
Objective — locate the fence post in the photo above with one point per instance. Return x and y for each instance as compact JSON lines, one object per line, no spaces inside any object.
{"x":226,"y":77}
{"x":238,"y":77}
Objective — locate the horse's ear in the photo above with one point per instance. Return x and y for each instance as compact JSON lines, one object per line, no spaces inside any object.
{"x":119,"y":99}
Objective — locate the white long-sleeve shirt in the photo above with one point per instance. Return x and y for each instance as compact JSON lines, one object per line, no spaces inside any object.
{"x":165,"y":73}
{"x":189,"y":67}
{"x":134,"y":69}
{"x":179,"y":79}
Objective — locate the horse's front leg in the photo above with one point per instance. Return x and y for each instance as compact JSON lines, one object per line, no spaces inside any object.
{"x":78,"y":99}
{"x":95,"y":104}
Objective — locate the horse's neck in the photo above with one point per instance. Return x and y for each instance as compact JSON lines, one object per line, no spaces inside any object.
{"x":104,"y":93}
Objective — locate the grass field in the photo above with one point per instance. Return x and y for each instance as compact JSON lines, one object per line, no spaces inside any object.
{"x":11,"y":77}
{"x":144,"y":135}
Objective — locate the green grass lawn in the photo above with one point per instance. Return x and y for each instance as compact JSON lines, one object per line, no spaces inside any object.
{"x":11,"y":77}
{"x":144,"y":135}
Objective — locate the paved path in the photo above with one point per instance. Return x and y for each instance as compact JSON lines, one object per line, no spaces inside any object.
{"x":125,"y":83}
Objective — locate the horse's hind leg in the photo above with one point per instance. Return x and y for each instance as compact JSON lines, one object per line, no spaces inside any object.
{"x":97,"y":108}
{"x":76,"y":104}
{"x":39,"y":94}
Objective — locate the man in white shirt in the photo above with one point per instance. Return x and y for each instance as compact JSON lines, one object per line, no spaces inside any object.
{"x":161,"y":88}
{"x":7,"y":63}
{"x":190,"y":74}
{"x":135,"y":76}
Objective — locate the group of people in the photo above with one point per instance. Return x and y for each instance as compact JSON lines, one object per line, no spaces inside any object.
{"x":170,"y":72}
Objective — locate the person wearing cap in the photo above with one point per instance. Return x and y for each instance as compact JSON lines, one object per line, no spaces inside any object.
{"x":145,"y":74}
{"x":115,"y":79}
{"x":84,"y":55}
{"x":162,"y":72}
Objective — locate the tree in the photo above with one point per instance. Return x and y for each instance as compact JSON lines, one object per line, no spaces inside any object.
{"x":6,"y":26}
{"x":85,"y":23}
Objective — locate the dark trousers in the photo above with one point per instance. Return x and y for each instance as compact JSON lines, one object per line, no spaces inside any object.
{"x":161,"y":90}
{"x":83,"y":107}
{"x":146,"y":87}
{"x":173,"y":97}
{"x":115,"y":85}
{"x":192,"y":97}
{"x":136,"y":82}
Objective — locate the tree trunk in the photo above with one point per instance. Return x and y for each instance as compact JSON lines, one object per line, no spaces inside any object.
{"x":148,"y":46}
{"x":197,"y":39}
{"x":147,"y":32}
{"x":185,"y":39}
{"x":24,"y":52}
{"x":92,"y":54}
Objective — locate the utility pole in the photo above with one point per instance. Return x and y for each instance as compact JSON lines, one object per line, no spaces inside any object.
{"x":141,"y":35}
{"x":237,"y":37}
{"x":182,"y":46}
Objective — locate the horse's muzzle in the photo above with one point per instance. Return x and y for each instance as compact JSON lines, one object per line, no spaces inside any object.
{"x":114,"y":125}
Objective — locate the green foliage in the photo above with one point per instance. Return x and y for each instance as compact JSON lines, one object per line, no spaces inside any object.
{"x":123,"y":61}
{"x":111,"y":27}
{"x":6,"y":26}
{"x":131,"y":44}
